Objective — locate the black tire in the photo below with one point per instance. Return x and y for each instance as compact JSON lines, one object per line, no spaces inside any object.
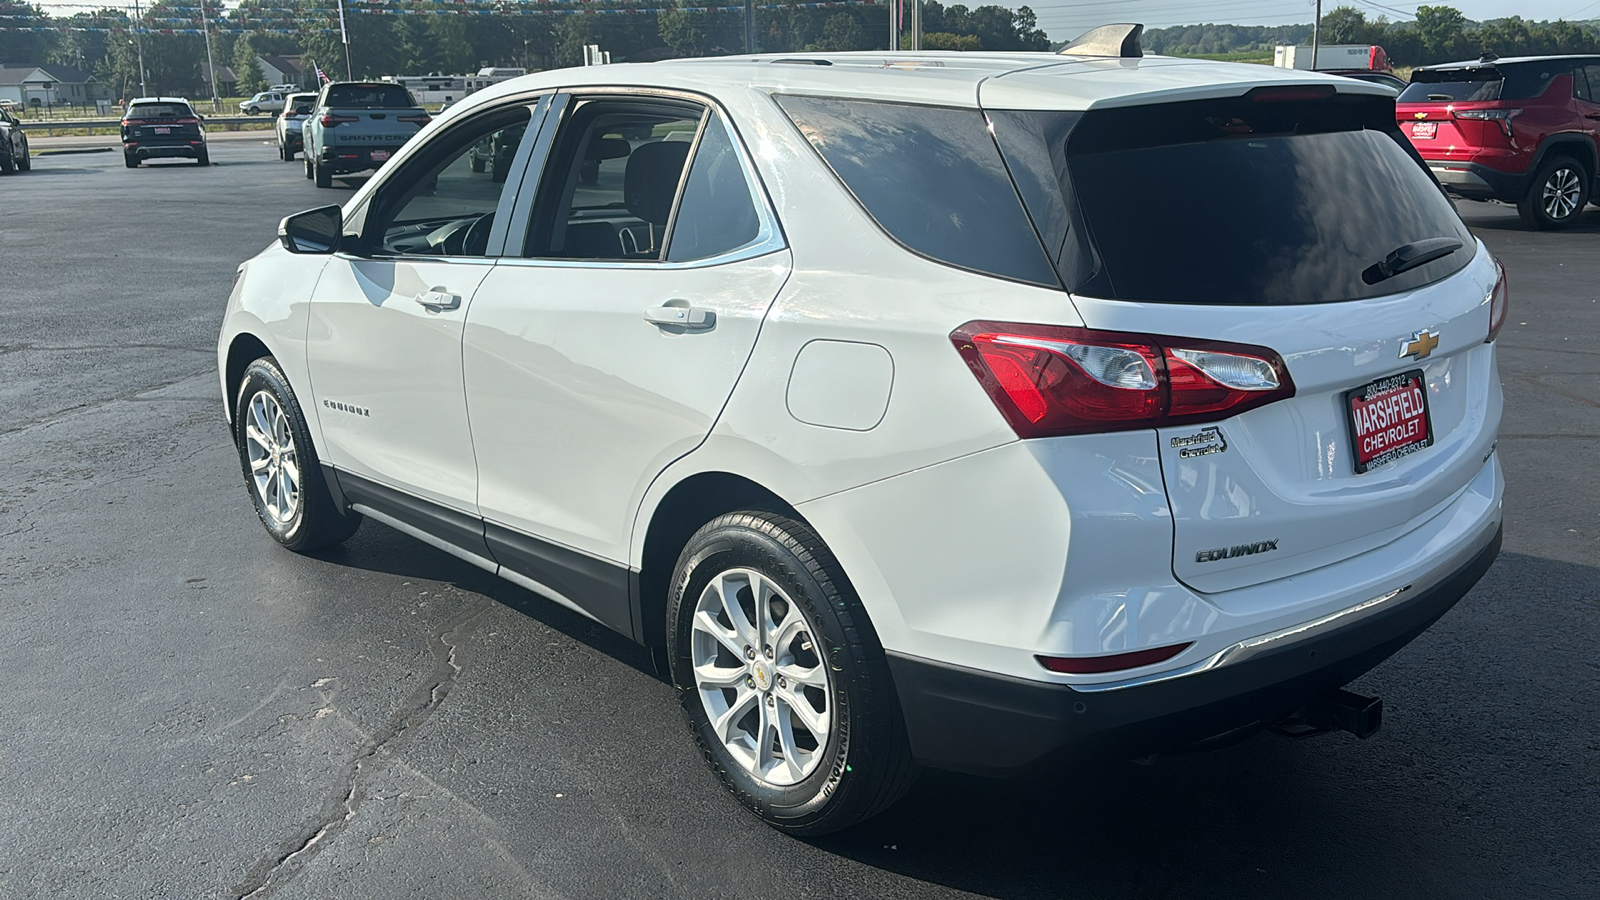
{"x":130,"y":161}
{"x":477,"y":164}
{"x":281,"y":154}
{"x":316,"y":521}
{"x":6,"y":165}
{"x":866,"y":763}
{"x":308,"y":166}
{"x":288,"y":154}
{"x":321,"y":175}
{"x":1552,"y":190}
{"x":25,"y":164}
{"x":203,"y":159}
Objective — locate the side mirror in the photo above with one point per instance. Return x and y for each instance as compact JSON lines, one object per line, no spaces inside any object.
{"x":312,"y":231}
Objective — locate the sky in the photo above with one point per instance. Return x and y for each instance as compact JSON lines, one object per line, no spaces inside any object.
{"x":1066,"y":19}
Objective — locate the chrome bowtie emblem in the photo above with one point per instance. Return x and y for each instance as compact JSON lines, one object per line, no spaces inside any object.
{"x":1421,"y":344}
{"x":1420,"y":115}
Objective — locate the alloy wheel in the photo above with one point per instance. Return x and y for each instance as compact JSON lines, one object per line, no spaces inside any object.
{"x":760,"y":676}
{"x":274,"y":462}
{"x":1561,"y":193}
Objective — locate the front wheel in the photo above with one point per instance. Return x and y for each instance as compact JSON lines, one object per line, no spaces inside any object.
{"x":281,"y":470}
{"x":781,"y":676}
{"x":1558,"y":194}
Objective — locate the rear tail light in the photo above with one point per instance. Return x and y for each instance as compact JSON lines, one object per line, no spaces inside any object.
{"x":1499,"y":302}
{"x":329,"y":119}
{"x":1092,"y":665}
{"x":127,"y":122}
{"x":420,"y":120}
{"x":1501,"y":117}
{"x":1053,"y":380}
{"x":186,"y":121}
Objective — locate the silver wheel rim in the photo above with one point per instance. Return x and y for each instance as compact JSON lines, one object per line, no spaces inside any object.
{"x":274,"y":462}
{"x":1561,"y":192}
{"x":760,"y":676}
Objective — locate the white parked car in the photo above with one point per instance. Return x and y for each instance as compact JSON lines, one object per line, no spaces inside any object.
{"x":266,"y":101}
{"x":978,"y":411}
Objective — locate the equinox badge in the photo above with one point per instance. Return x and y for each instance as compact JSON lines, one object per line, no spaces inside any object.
{"x":1236,"y":550}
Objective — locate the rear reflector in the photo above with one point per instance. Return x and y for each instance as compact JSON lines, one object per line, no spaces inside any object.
{"x":1499,"y":302}
{"x":1116,"y":662}
{"x":1053,"y":380}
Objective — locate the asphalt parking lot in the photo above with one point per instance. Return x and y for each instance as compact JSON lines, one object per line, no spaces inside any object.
{"x":191,"y":712}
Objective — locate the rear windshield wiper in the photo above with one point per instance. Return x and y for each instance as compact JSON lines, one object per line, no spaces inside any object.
{"x":1406,"y":257}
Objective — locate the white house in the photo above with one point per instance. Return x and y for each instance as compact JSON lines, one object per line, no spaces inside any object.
{"x":50,"y":85}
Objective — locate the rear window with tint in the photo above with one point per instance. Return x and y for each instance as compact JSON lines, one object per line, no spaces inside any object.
{"x":160,"y":111}
{"x":929,"y":176}
{"x":1522,"y":81}
{"x":369,"y":96}
{"x":1230,"y":202}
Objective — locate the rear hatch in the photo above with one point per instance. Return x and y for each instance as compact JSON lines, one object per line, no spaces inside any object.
{"x":1300,"y":223}
{"x":161,"y":123}
{"x":1456,"y":112}
{"x":371,"y":115}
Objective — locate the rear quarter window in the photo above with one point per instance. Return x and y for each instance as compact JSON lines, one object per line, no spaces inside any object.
{"x":160,"y":111}
{"x":1519,"y":81}
{"x":929,"y":176}
{"x":369,"y":96}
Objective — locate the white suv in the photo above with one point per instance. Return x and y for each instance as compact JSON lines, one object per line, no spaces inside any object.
{"x":977,"y":411}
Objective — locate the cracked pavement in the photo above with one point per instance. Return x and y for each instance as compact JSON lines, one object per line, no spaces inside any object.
{"x":191,"y":712}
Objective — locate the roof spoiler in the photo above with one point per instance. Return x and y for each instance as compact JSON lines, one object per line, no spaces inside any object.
{"x":1120,"y":40}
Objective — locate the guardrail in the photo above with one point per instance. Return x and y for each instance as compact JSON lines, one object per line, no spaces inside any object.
{"x":50,"y":126}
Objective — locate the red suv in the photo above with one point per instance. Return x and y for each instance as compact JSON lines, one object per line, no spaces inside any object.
{"x":1526,"y":131}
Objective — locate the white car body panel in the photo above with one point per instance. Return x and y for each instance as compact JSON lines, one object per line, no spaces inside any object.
{"x":374,"y":348}
{"x":578,"y":402}
{"x":271,"y":301}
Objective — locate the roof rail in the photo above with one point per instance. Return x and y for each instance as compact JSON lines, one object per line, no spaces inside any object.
{"x":1120,"y":40}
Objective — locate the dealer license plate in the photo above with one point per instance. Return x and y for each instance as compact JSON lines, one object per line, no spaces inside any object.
{"x":163,"y":129}
{"x":380,"y":155}
{"x":1424,"y":130}
{"x":1389,"y":419}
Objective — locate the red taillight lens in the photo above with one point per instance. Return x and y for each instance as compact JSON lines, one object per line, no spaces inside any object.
{"x":1091,"y":665}
{"x":1052,"y":380}
{"x":186,"y":121}
{"x":329,"y":119}
{"x":1499,"y":302}
{"x":420,"y":120}
{"x":127,"y":122}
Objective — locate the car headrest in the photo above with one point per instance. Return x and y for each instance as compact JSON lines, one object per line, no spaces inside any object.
{"x":651,"y":181}
{"x":607,"y":148}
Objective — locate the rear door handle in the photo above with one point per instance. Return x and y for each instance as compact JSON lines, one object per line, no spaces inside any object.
{"x":439,"y":299}
{"x":681,"y":316}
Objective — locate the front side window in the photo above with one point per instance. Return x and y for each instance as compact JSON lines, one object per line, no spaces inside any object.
{"x":443,"y":203}
{"x":613,"y":180}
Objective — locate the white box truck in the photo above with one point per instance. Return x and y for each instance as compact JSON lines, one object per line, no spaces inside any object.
{"x":1332,"y":56}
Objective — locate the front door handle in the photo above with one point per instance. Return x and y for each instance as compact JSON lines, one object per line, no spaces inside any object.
{"x":681,"y":316}
{"x":438,"y":300}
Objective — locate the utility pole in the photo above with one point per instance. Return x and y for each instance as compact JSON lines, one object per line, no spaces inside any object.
{"x":1316,"y":36}
{"x":749,"y":26}
{"x":138,"y":36}
{"x":349,"y":73}
{"x":211,"y":64}
{"x":916,"y":24}
{"x":894,"y":24}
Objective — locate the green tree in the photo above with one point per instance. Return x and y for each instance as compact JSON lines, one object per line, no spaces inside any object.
{"x":840,"y":31}
{"x":944,"y":40}
{"x":1442,"y":30}
{"x":245,"y":67}
{"x":1345,"y":25}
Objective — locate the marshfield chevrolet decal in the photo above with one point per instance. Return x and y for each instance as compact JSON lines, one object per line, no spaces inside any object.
{"x":1203,"y":443}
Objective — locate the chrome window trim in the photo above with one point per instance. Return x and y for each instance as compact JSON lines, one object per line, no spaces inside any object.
{"x":769,"y":236}
{"x":1249,"y":647}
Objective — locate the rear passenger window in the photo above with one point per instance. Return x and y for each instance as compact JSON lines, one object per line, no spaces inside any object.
{"x":716,"y":214}
{"x":613,"y":180}
{"x":929,"y":176}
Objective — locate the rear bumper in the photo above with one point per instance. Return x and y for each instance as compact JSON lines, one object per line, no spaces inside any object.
{"x":355,"y":159}
{"x":146,"y":150}
{"x":971,"y":721}
{"x":1477,"y":181}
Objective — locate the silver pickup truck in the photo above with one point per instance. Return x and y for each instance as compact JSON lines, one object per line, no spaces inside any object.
{"x":357,"y":126}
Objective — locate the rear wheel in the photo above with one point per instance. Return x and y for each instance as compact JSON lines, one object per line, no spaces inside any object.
{"x":1558,"y":194}
{"x":203,"y":159}
{"x":781,"y":676}
{"x":130,"y":160}
{"x":322,"y":176}
{"x":6,"y":165}
{"x":308,"y":167}
{"x":288,"y":154}
{"x":25,"y":163}
{"x":281,"y":470}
